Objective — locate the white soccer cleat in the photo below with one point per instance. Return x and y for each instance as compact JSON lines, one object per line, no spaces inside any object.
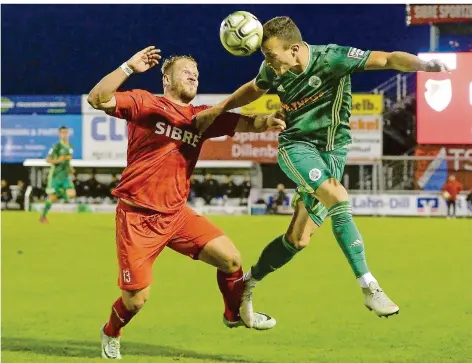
{"x":377,"y":300}
{"x":246,"y":310}
{"x":110,"y":346}
{"x":261,"y":321}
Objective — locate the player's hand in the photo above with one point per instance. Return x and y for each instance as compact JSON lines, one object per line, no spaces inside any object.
{"x":437,"y":66}
{"x":144,"y":59}
{"x":276,"y":121}
{"x":206,"y":117}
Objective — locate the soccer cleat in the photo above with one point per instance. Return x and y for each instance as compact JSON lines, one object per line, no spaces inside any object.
{"x":43,"y":220}
{"x":377,"y":300}
{"x":261,"y":321}
{"x":245,"y":310}
{"x":110,"y":346}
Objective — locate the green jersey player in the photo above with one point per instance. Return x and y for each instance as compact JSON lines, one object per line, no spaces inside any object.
{"x":314,"y":86}
{"x":59,"y":184}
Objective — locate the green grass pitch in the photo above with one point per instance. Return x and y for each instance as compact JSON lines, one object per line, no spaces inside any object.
{"x":59,"y":281}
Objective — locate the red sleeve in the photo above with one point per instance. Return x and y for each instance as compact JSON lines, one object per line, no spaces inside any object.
{"x":225,"y":124}
{"x":129,"y":104}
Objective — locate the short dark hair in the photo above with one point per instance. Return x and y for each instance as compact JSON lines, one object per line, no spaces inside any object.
{"x":169,"y":62}
{"x":63,"y":128}
{"x":283,"y":28}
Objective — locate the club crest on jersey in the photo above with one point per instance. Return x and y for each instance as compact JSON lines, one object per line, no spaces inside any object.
{"x":314,"y":81}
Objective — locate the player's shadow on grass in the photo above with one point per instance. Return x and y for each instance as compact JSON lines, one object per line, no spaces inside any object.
{"x":87,"y":349}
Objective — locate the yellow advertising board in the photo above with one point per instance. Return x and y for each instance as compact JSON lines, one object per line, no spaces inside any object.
{"x":362,"y":104}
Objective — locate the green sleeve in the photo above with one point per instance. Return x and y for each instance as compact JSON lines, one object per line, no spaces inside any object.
{"x":346,"y":60}
{"x":54,"y":151}
{"x":265,"y":77}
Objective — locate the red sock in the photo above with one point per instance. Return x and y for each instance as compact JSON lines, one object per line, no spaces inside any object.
{"x":231,"y":287}
{"x":119,"y":317}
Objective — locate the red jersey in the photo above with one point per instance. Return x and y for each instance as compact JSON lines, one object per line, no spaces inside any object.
{"x":163,"y":149}
{"x":453,"y":188}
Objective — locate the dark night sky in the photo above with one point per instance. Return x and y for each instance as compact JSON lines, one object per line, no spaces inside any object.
{"x":66,"y":49}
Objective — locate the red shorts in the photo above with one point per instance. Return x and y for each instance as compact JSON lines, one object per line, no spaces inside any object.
{"x":141,"y":234}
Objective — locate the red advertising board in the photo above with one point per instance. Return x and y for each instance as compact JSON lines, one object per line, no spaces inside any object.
{"x":441,"y":13}
{"x":443,"y":160}
{"x":444,"y":101}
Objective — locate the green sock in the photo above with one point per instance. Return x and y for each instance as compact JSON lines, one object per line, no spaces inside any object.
{"x":274,"y":256}
{"x":348,"y":237}
{"x":47,"y":206}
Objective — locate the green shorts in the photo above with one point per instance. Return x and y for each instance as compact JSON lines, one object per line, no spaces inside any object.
{"x":309,"y":168}
{"x":59,"y":186}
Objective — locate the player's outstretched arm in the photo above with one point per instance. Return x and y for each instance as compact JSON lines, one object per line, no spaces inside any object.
{"x":244,"y":95}
{"x":403,"y":62}
{"x":261,"y":123}
{"x":102,"y":96}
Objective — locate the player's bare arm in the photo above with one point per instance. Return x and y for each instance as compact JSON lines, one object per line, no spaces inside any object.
{"x":261,"y":123}
{"x":403,"y":62}
{"x":102,"y":96}
{"x":55,"y":161}
{"x":244,"y":95}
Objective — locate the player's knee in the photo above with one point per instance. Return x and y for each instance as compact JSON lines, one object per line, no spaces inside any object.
{"x":231,"y":263}
{"x":298,"y":238}
{"x":135,"y":300}
{"x":332,"y":192}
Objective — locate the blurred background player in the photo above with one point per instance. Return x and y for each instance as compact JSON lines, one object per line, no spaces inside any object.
{"x":59,"y":185}
{"x":279,"y":199}
{"x":314,"y":86}
{"x":469,"y":202}
{"x":164,"y":142}
{"x":451,"y":190}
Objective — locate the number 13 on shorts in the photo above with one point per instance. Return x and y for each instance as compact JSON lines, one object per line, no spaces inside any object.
{"x":126,"y":276}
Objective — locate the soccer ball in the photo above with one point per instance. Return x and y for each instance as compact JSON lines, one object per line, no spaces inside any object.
{"x":241,"y":33}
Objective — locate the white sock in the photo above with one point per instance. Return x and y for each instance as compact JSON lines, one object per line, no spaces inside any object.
{"x":366,"y":279}
{"x":247,"y":276}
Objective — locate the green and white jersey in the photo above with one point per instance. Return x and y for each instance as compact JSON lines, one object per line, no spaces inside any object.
{"x":60,"y":171}
{"x":317,"y":102}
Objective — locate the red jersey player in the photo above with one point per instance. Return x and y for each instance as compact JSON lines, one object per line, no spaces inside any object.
{"x":164,"y":143}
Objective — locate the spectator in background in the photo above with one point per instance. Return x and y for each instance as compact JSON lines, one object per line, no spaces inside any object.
{"x":209,"y":189}
{"x":20,"y":196}
{"x":6,"y":193}
{"x":113,"y":184}
{"x":195,"y":188}
{"x":279,"y":198}
{"x":246,"y":187}
{"x":94,"y":189}
{"x":229,"y":189}
{"x":469,"y":201}
{"x":78,"y":185}
{"x":450,"y":191}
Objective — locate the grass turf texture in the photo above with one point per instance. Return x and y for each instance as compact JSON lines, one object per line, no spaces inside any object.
{"x":59,"y":281}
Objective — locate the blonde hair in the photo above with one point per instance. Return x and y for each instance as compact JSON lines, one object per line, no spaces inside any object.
{"x":169,"y":62}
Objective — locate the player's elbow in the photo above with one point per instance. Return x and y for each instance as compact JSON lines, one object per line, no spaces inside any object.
{"x":379,"y":60}
{"x":93,"y":99}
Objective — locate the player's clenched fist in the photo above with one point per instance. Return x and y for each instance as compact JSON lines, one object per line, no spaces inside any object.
{"x":437,"y":66}
{"x":276,"y":121}
{"x":144,"y":59}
